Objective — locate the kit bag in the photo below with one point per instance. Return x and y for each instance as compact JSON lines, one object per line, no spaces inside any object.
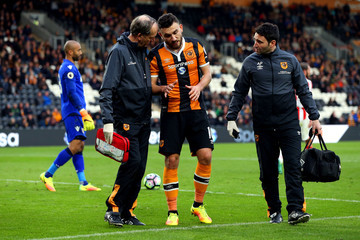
{"x":118,"y":150}
{"x":319,"y":165}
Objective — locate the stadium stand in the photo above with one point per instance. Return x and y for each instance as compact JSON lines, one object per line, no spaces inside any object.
{"x":28,"y":66}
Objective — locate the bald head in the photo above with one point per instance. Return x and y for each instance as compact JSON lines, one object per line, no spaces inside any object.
{"x":70,"y":45}
{"x":142,"y":24}
{"x":72,"y":50}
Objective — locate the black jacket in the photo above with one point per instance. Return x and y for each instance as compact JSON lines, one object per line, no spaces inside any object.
{"x":273,"y":79}
{"x":125,"y":94}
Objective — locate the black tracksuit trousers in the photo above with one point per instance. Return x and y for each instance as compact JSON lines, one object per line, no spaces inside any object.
{"x":128,"y":180}
{"x":268,"y":145}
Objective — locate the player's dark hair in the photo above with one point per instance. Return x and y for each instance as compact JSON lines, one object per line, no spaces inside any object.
{"x":304,"y":66}
{"x":166,"y":20}
{"x":142,"y":24}
{"x":269,"y":31}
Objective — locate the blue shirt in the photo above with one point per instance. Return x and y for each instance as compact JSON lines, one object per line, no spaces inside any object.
{"x":71,"y":87}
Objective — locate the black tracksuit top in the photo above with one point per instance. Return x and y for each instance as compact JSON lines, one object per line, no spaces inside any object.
{"x":273,"y":79}
{"x":125,"y":94}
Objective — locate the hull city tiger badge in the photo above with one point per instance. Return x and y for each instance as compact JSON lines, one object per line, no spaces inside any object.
{"x":190,"y":54}
{"x":126,"y":127}
{"x":284,"y":65}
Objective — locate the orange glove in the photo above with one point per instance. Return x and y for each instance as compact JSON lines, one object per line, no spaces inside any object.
{"x":87,"y":120}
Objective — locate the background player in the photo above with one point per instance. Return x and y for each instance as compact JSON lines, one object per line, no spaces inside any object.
{"x":182,"y":66}
{"x":76,"y":119}
{"x":304,"y":121}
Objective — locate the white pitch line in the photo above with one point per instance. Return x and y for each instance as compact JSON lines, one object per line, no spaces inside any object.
{"x":333,"y":199}
{"x":33,"y":181}
{"x":234,"y":158}
{"x":184,"y":190}
{"x":179,"y":228}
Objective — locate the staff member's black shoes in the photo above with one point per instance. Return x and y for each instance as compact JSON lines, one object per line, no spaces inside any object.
{"x":297,"y":216}
{"x":276,"y":217}
{"x":113,"y":218}
{"x":133,"y":221}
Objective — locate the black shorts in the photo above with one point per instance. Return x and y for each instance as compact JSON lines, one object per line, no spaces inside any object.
{"x":176,"y":126}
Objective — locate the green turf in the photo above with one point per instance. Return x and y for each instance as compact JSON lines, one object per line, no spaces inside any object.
{"x":234,"y":199}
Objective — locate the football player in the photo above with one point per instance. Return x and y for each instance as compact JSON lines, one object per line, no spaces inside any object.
{"x":183,"y":69}
{"x":76,"y":119}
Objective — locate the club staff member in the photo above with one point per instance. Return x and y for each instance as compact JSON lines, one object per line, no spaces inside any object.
{"x":273,"y":75}
{"x":125,"y":102}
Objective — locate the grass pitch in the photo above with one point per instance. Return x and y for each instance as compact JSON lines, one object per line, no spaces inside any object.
{"x":234,"y":199}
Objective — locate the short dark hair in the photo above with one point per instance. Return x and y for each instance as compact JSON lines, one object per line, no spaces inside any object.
{"x":167,"y":19}
{"x":142,"y":24}
{"x":304,"y":66}
{"x":269,"y":31}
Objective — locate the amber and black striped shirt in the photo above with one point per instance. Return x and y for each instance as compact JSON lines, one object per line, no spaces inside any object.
{"x":183,"y":66}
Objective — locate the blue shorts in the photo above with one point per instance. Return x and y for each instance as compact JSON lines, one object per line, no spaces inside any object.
{"x":74,"y":128}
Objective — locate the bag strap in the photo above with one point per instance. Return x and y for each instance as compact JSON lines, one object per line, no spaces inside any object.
{"x":310,"y":141}
{"x":322,"y":142}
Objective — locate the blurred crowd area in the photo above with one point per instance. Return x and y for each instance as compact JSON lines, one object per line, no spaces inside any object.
{"x":28,"y":66}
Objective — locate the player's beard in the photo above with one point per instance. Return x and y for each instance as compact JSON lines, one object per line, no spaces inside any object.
{"x":76,"y":57}
{"x":176,"y":45}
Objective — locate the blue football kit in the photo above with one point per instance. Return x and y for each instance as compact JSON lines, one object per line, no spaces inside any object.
{"x":72,"y":91}
{"x":75,"y":116}
{"x":72,"y":100}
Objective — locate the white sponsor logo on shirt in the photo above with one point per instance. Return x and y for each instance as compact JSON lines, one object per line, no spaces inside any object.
{"x":284,"y":72}
{"x":181,"y":64}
